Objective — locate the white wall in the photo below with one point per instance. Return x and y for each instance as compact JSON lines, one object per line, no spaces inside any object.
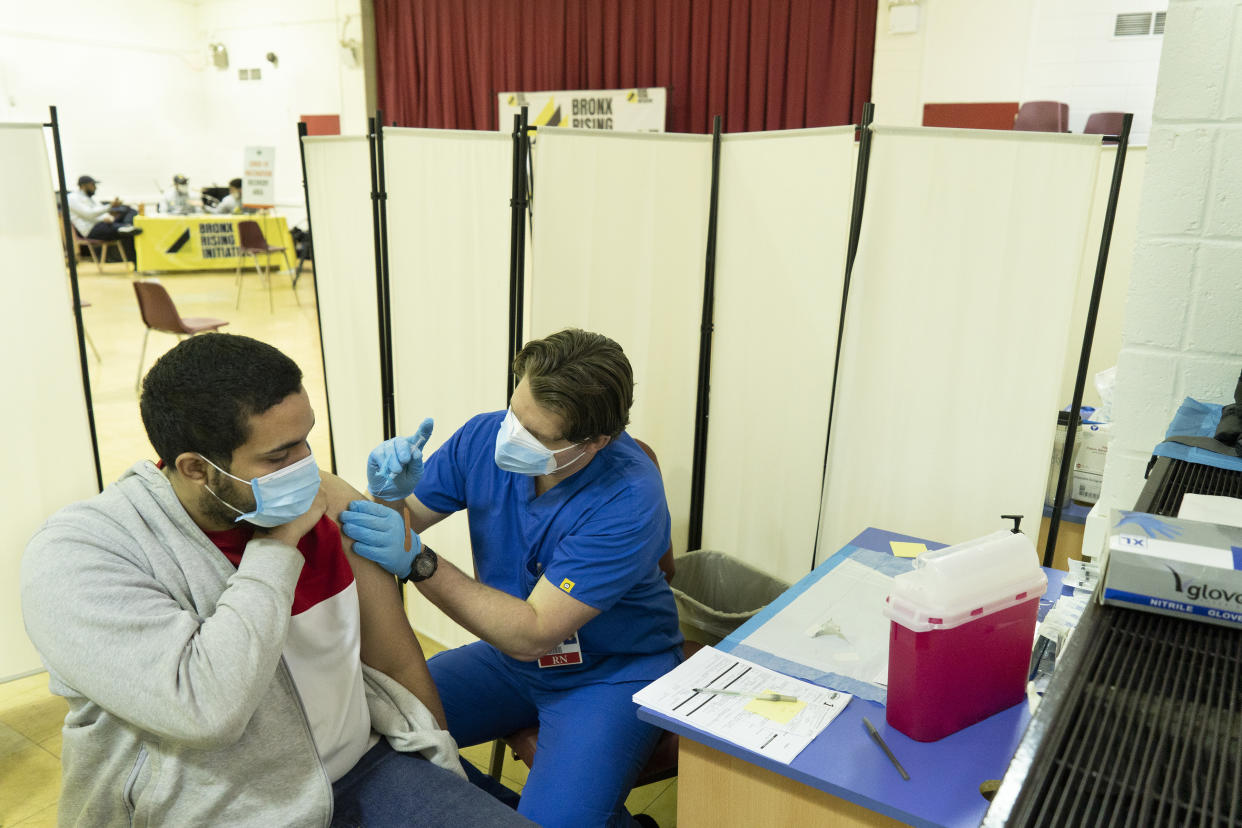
{"x":139,"y":100}
{"x":1183,"y":325}
{"x":313,"y":77}
{"x":1017,"y":50}
{"x":1074,"y":57}
{"x":120,"y":75}
{"x":975,"y":51}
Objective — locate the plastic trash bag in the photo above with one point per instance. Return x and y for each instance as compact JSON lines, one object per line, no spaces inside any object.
{"x":717,"y":593}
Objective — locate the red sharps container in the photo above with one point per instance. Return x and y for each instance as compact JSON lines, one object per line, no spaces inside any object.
{"x":959,"y":645}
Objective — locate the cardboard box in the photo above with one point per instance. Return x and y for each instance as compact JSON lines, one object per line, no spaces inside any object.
{"x":1174,"y":567}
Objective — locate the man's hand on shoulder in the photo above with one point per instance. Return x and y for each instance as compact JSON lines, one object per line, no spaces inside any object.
{"x":290,"y":533}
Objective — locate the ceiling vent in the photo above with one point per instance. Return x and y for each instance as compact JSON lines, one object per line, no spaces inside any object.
{"x":1158,"y":25}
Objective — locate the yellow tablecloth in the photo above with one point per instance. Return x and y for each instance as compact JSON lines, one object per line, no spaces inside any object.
{"x":203,"y":242}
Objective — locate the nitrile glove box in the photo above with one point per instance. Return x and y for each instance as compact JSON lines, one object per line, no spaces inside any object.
{"x":1174,"y":567}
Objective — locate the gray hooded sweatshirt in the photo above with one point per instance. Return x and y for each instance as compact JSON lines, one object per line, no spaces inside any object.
{"x":181,"y":708}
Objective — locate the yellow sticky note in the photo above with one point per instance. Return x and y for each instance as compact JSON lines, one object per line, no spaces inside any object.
{"x":904,"y":549}
{"x":778,"y":711}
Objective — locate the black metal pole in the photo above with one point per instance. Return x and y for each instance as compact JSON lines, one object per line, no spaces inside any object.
{"x":519,"y":292}
{"x":698,"y":476}
{"x":310,"y":236}
{"x":1088,"y":336}
{"x":379,"y":274}
{"x":386,"y":359}
{"x":530,"y":172}
{"x":515,"y":232}
{"x":72,"y":258}
{"x":851,"y":250}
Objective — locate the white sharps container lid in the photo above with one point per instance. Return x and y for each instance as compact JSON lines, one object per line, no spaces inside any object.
{"x":951,"y":586}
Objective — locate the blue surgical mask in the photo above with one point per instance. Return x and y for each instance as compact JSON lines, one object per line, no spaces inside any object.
{"x":518,"y":451}
{"x":279,"y":497}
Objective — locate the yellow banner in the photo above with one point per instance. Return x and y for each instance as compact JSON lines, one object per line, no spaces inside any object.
{"x":204,"y":242}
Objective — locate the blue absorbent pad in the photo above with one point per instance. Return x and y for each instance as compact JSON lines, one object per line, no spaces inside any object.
{"x":1196,"y":419}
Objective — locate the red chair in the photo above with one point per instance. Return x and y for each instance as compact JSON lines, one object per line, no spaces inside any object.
{"x":98,"y":248}
{"x":1042,"y":116}
{"x":160,"y":314}
{"x":251,"y":242}
{"x":1104,"y":123}
{"x":663,"y":762}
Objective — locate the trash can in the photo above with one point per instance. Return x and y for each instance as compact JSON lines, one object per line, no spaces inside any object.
{"x":716,"y":594}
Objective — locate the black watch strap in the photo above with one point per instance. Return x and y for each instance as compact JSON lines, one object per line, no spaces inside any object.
{"x":423,"y":566}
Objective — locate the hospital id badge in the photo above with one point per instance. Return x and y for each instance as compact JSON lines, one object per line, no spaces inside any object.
{"x":567,"y":652}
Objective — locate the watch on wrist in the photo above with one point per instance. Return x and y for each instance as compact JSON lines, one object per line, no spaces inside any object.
{"x":423,"y":566}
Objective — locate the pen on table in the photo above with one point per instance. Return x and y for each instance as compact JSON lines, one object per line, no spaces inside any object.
{"x":875,"y":736}
{"x":759,"y":696}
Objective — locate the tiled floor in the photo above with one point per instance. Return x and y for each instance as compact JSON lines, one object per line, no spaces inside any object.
{"x":30,"y":717}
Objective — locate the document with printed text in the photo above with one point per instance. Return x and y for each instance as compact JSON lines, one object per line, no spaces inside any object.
{"x":779,"y":730}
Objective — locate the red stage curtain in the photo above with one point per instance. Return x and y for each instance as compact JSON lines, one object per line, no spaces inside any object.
{"x":761,"y":64}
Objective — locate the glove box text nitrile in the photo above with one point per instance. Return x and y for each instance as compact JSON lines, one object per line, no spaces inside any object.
{"x":1174,"y":567}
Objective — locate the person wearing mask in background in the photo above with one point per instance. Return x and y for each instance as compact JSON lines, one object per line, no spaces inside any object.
{"x":232,"y":202}
{"x":568,"y":521}
{"x":96,"y":220}
{"x":226,"y":657}
{"x":176,"y":199}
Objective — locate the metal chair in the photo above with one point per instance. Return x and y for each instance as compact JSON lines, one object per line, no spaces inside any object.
{"x":1042,"y":116}
{"x":251,"y":242}
{"x":662,"y":764}
{"x":98,"y":248}
{"x":87,"y":333}
{"x":160,"y":314}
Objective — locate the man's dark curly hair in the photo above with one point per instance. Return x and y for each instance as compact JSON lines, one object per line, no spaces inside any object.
{"x":201,"y":395}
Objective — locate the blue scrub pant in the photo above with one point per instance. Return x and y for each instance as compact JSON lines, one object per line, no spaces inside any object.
{"x":591,"y":742}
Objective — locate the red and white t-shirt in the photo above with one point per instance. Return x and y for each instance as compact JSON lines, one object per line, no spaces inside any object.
{"x":322,"y":646}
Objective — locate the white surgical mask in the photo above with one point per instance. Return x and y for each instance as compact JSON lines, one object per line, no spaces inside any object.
{"x":279,"y":497}
{"x":518,"y":451}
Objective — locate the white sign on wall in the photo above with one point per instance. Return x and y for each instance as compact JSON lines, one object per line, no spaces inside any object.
{"x":622,"y":110}
{"x":258,"y":184}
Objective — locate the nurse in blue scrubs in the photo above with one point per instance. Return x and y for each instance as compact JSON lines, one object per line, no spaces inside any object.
{"x":568,"y":520}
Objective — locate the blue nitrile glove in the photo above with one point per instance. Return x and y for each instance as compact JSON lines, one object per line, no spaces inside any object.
{"x":379,"y":535}
{"x":1152,"y":525}
{"x":395,"y":466}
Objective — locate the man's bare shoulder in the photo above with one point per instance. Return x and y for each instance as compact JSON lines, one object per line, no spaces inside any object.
{"x":338,"y":492}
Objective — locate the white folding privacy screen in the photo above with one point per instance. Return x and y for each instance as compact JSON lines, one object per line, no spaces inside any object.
{"x":47,"y":457}
{"x":782,"y":229}
{"x":956,"y":326}
{"x":448,"y":260}
{"x":955,"y":331}
{"x":338,"y":173}
{"x":620,"y":240}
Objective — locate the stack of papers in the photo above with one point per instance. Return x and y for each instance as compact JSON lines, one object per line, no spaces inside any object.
{"x":779,"y":730}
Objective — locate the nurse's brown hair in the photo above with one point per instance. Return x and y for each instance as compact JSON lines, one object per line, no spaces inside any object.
{"x":582,"y":377}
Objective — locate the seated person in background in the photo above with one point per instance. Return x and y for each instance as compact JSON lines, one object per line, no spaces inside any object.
{"x":231,"y":203}
{"x":226,"y":658}
{"x":567,"y":524}
{"x":95,"y":220}
{"x":176,"y":199}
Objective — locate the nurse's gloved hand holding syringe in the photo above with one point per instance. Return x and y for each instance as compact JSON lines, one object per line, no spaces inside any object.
{"x":395,"y":466}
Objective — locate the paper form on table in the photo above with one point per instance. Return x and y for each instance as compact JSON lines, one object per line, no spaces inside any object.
{"x":767,"y":731}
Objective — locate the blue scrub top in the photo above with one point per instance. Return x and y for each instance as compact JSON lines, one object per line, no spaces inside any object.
{"x":597,"y":535}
